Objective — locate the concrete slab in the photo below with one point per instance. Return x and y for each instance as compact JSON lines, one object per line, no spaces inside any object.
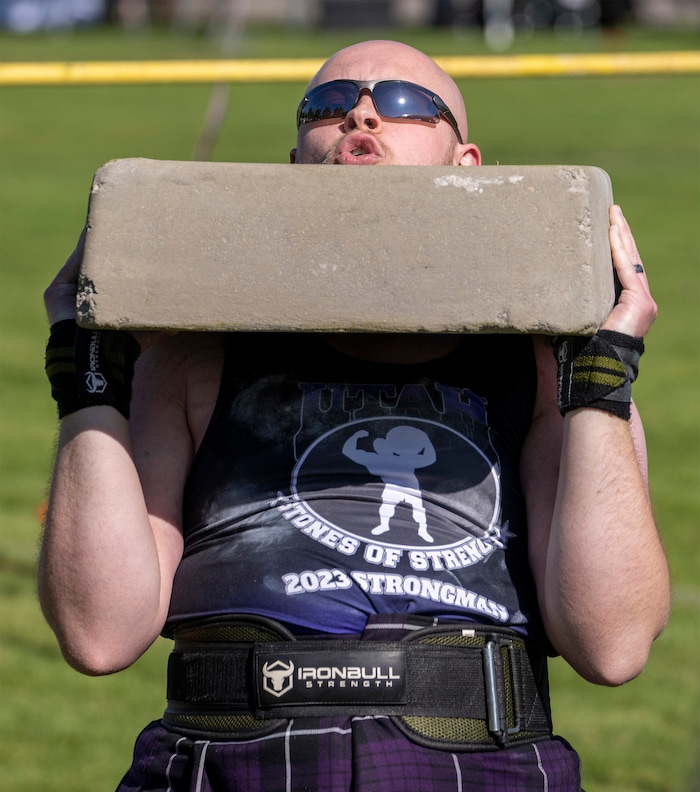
{"x":228,"y":246}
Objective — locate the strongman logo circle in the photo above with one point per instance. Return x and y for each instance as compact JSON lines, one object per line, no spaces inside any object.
{"x":397,"y":480}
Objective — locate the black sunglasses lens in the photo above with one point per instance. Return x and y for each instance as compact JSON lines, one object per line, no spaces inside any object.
{"x":404,"y":100}
{"x":392,"y":98}
{"x":333,"y":100}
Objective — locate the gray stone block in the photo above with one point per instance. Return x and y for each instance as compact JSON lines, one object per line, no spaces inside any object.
{"x":223,"y":246}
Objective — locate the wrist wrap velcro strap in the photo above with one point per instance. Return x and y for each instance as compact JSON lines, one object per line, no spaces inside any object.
{"x":87,"y":368}
{"x":597,"y":372}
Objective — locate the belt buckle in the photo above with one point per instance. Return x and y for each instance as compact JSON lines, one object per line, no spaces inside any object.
{"x":496,"y":720}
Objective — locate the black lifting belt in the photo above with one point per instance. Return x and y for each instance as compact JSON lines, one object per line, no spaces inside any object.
{"x":457,"y":686}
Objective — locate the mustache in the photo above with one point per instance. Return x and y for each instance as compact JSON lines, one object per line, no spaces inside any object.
{"x":329,"y":154}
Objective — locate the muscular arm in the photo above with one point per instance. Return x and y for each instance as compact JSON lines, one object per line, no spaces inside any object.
{"x":113,"y":537}
{"x":595,"y":552}
{"x":351,"y":451}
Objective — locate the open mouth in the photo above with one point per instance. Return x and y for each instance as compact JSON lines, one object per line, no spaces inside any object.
{"x":357,"y":150}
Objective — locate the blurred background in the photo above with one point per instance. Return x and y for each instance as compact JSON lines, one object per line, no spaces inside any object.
{"x":61,"y":732}
{"x":500,"y":19}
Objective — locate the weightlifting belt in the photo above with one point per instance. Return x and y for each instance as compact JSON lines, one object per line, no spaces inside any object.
{"x":456,"y":686}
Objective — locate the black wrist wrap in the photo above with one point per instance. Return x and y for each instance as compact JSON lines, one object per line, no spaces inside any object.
{"x":90,"y":367}
{"x":597,"y":372}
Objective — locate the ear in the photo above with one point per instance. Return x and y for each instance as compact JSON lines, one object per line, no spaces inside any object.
{"x":293,"y":156}
{"x":467,"y":154}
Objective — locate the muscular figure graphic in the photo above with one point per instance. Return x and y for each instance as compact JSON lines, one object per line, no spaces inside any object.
{"x":395,"y":459}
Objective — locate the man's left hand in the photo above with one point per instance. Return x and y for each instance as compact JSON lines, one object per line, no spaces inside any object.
{"x":635,"y":310}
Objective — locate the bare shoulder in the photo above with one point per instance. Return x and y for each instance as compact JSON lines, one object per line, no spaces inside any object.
{"x":175,"y":389}
{"x":539,"y":466}
{"x":543,"y":445}
{"x":177,"y":382}
{"x":546,"y":401}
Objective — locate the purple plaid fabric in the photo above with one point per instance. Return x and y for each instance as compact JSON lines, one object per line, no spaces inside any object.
{"x":342,"y":755}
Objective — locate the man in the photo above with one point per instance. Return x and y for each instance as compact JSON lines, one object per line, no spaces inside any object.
{"x":231,"y":511}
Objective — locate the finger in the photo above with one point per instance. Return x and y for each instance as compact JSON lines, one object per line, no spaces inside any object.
{"x":618,"y":220}
{"x":59,"y":297}
{"x":626,"y":260}
{"x":71,"y":268}
{"x":69,"y":271}
{"x":635,"y":309}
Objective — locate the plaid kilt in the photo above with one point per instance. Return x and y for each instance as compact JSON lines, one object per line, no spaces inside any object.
{"x":363,"y":754}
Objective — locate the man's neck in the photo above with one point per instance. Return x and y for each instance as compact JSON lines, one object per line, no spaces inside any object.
{"x":392,"y":348}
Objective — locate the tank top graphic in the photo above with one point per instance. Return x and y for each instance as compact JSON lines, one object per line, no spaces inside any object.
{"x":329,"y":488}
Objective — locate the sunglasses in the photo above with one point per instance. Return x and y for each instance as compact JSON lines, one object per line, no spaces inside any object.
{"x":392,"y":98}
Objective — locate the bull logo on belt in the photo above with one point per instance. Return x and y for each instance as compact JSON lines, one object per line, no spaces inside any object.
{"x":278,"y":678}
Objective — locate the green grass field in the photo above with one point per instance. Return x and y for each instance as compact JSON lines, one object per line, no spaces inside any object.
{"x":61,"y":732}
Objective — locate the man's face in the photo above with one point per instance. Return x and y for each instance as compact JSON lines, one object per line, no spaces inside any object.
{"x":363,"y":136}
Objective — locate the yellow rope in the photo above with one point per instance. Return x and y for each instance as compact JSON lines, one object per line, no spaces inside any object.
{"x":212,"y":71}
{"x":629,"y":63}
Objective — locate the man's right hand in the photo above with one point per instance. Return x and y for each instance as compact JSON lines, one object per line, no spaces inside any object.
{"x":59,"y":297}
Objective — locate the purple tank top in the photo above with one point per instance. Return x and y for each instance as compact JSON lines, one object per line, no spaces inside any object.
{"x":328,"y":488}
